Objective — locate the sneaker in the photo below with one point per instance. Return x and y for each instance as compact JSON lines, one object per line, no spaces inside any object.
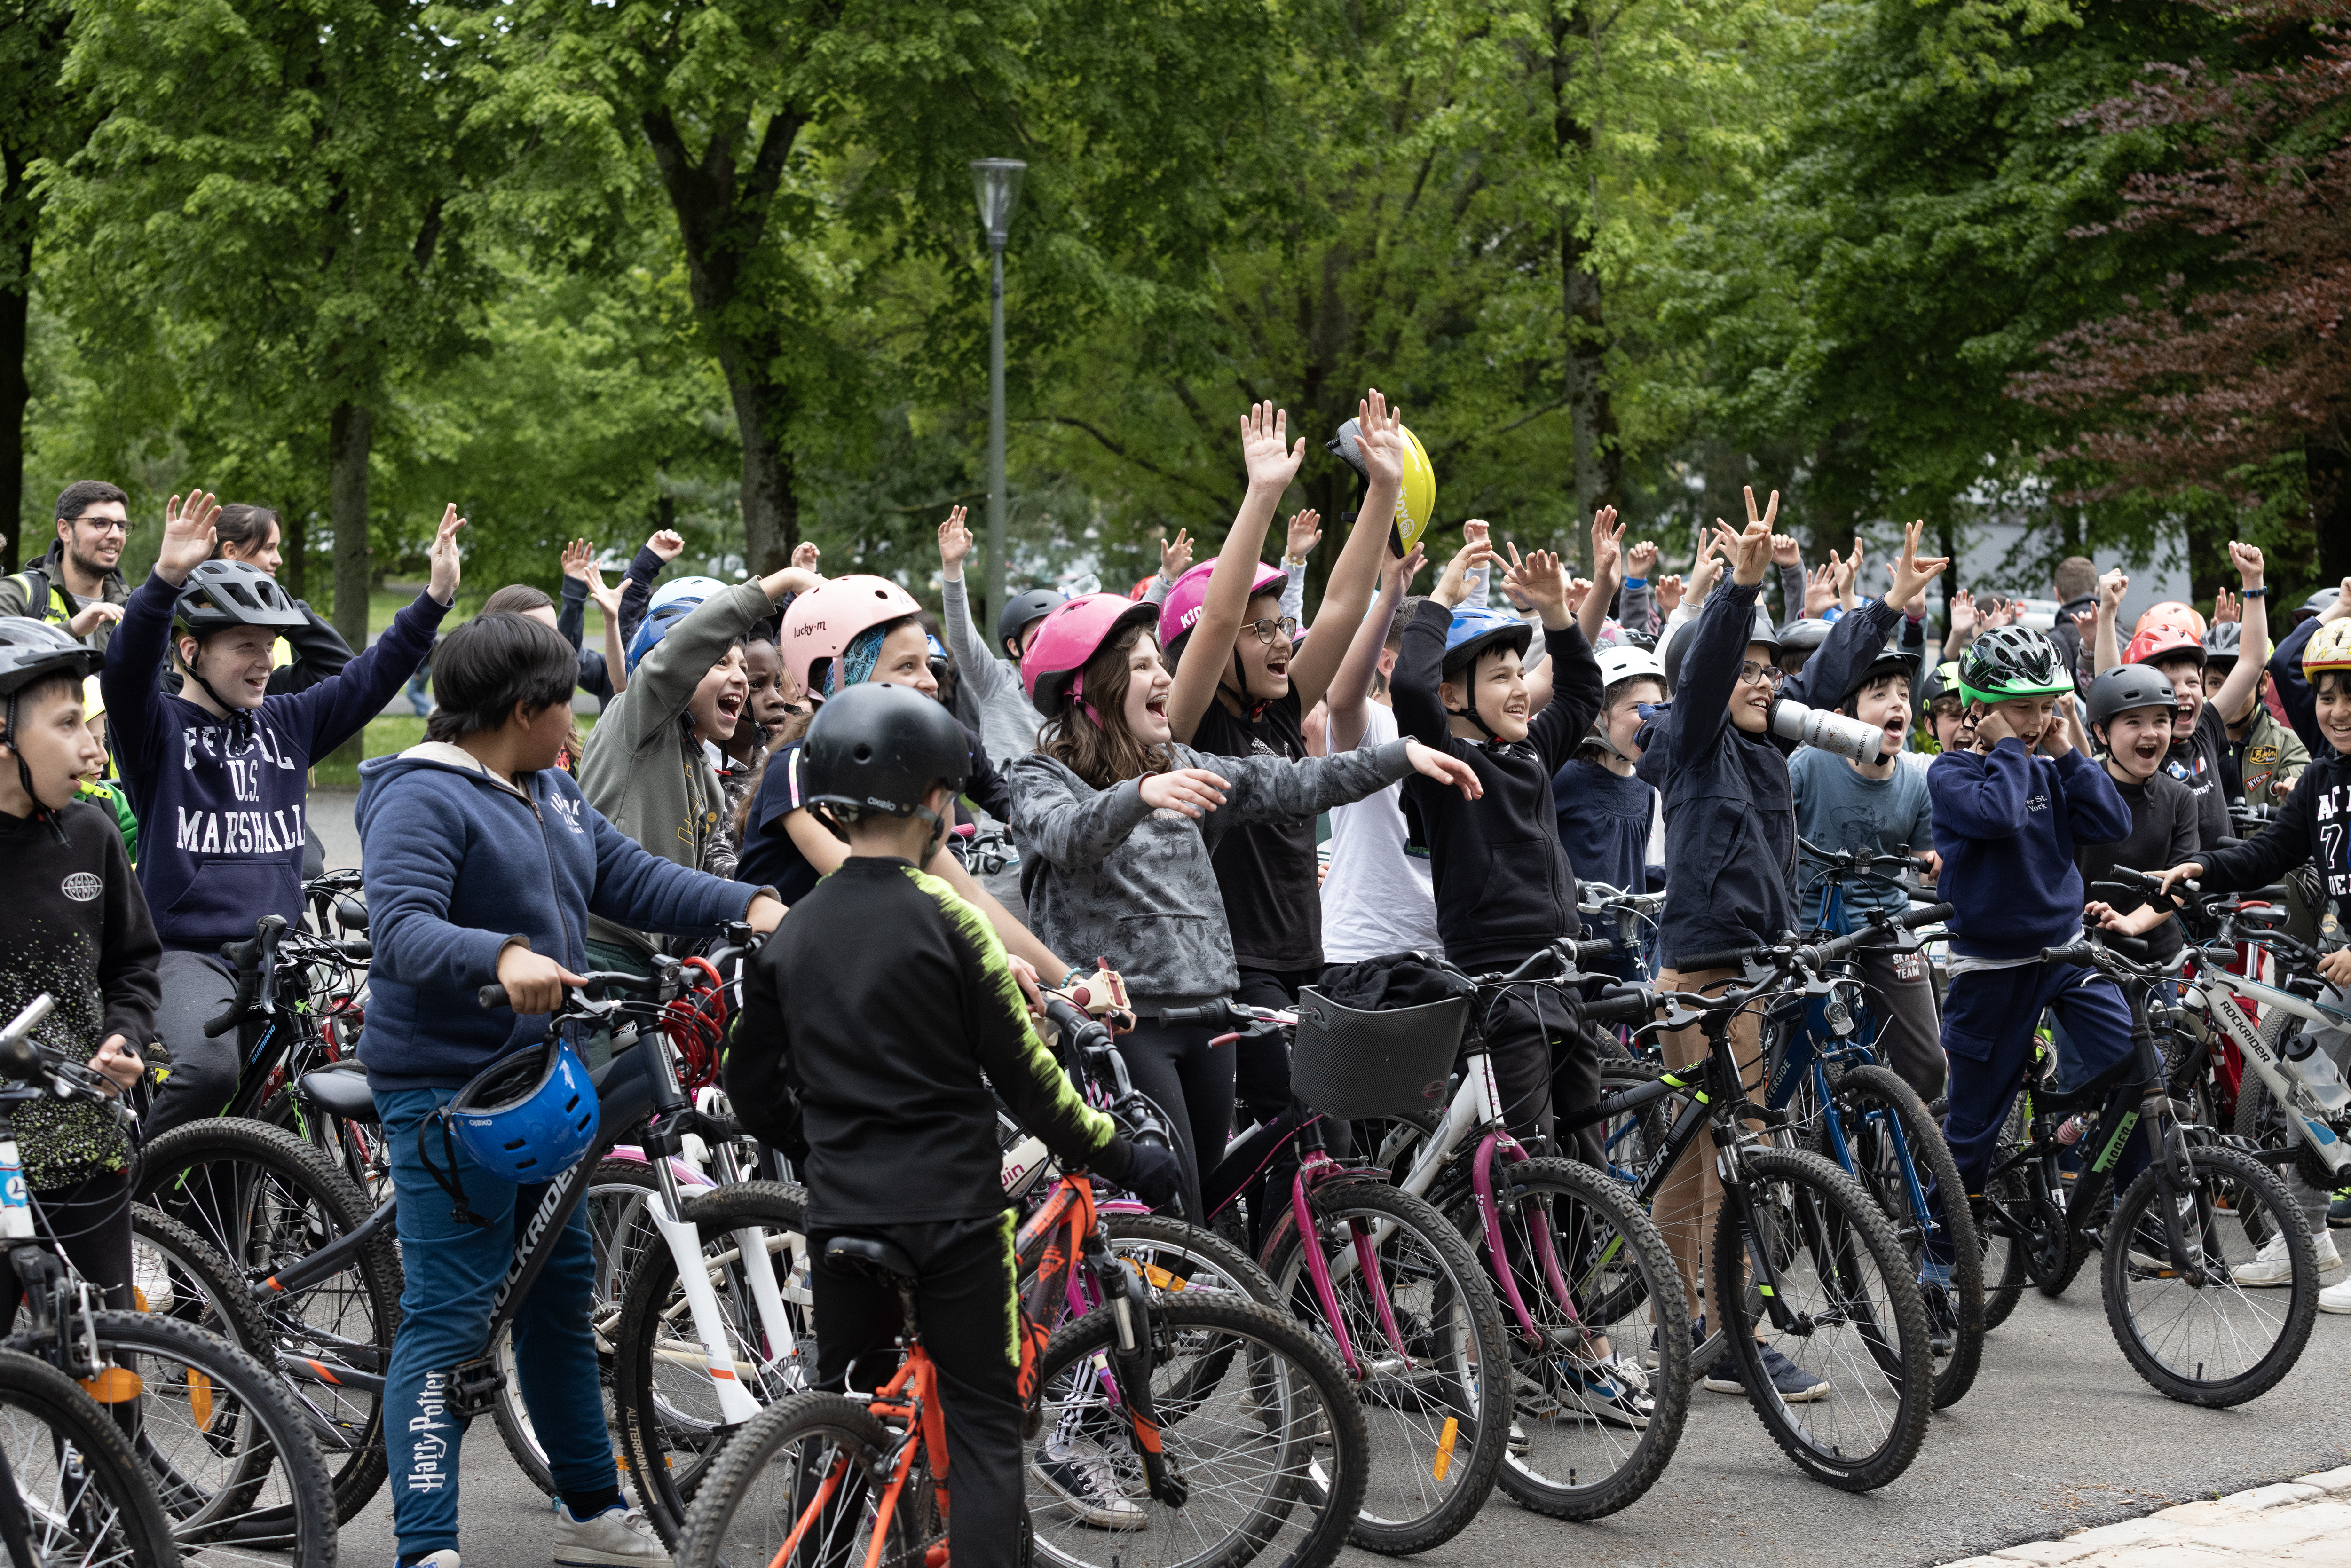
{"x":2335,"y":1297}
{"x":1615,"y":1390}
{"x":2150,"y":1249}
{"x":2322,"y":1244}
{"x":2338,"y":1212}
{"x":1087,"y":1485}
{"x":2273,"y":1265}
{"x":1935,"y":1275}
{"x":445,"y":1558}
{"x":620,"y":1537}
{"x":1697,"y":1338}
{"x":152,"y":1287}
{"x":1794,"y":1385}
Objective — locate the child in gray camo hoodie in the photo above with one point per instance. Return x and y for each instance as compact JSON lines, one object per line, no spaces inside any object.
{"x":1115,"y":823}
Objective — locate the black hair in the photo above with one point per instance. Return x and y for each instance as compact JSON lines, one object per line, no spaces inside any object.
{"x":2319,"y":682}
{"x":484,"y":668}
{"x":83,"y":494}
{"x":241,"y":524}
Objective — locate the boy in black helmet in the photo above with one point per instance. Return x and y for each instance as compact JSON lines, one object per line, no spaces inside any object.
{"x":864,"y":1056}
{"x":218,"y":772}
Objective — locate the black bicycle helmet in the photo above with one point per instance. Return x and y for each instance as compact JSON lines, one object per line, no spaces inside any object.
{"x":876,"y":749}
{"x":1892,"y":660}
{"x":2124,"y":688}
{"x":1805,"y":636}
{"x":2222,"y":643}
{"x":1018,"y":612}
{"x":33,"y":651}
{"x":2013,"y":662}
{"x":1677,"y":643}
{"x":223,"y":594}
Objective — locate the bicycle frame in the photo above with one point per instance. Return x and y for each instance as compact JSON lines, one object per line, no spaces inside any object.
{"x":2220,"y":998}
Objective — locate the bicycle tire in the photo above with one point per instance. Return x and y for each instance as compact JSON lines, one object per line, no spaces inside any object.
{"x":351,"y":1316}
{"x":1624,"y":1280}
{"x":1873,"y":1090}
{"x":98,"y":1508}
{"x":1420,"y":1398}
{"x":1176,"y":1255}
{"x":1630,"y":1140}
{"x":670,"y":1429}
{"x":1801,"y":1201}
{"x":1284,"y":1394}
{"x":714,"y":1528}
{"x":205,"y":1292}
{"x":2259,"y":1207}
{"x":2002,"y":1256}
{"x":241,"y":1419}
{"x":613,"y":1177}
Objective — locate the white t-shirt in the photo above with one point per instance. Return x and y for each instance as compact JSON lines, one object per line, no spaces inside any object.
{"x":1377,"y":898}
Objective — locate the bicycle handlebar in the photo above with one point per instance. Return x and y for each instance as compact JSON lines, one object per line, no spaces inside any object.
{"x":1727,"y":958}
{"x":257,"y":975}
{"x":1218,"y":1011}
{"x":590,"y":987}
{"x":1625,"y":1004}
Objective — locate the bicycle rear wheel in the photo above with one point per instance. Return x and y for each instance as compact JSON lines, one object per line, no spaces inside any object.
{"x":1436,"y":1441}
{"x":264,"y":1199}
{"x":1899,"y":1157}
{"x":1244,"y":1444}
{"x":772,"y":1479}
{"x":1177,"y":1256}
{"x":1855,"y":1318}
{"x":2002,"y":1254}
{"x":2214,"y":1344}
{"x":84,"y":1496}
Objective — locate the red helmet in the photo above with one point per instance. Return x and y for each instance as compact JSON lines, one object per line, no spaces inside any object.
{"x":1072,"y":636}
{"x":821,"y":622}
{"x":2163,"y":641}
{"x":2171,"y":612}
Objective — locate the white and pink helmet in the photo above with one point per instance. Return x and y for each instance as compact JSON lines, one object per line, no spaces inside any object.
{"x":821,"y":622}
{"x":1071,"y":636}
{"x":1189,"y":596}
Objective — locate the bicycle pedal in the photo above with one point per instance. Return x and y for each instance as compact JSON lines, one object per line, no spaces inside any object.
{"x":474,"y":1386}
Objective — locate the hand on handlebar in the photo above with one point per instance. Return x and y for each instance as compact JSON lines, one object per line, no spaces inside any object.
{"x":2183,"y":872}
{"x":116,"y":1063}
{"x":2335,"y":967}
{"x":534,"y":982}
{"x":1152,"y":1172}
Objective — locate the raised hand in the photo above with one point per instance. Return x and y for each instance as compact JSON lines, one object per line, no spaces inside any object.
{"x":1785,"y":551}
{"x":1607,"y":548}
{"x":579,"y":559}
{"x":2224,"y":609}
{"x":1670,"y":592}
{"x":1749,"y":552}
{"x":1541,"y":581}
{"x":1395,"y":577}
{"x":2247,"y":559}
{"x":1272,"y":463}
{"x":1708,"y":564}
{"x":667,"y":543}
{"x":805,"y":555}
{"x":1445,"y":767}
{"x":1305,"y":533}
{"x":1962,"y":609}
{"x":442,"y":585}
{"x":1175,"y":556}
{"x":1192,"y":792}
{"x":2336,"y":612}
{"x":1820,"y":589}
{"x":1453,"y":585}
{"x":1579,"y":588}
{"x":1770,"y":513}
{"x":188,"y":535}
{"x":1379,"y":440}
{"x":1641,"y":558}
{"x":1909,"y":575}
{"x":608,"y":600}
{"x":92,"y":616}
{"x":954,"y":544}
{"x":2111,"y":589}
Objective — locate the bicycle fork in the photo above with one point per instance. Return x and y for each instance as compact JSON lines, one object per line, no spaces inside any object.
{"x":1130,"y":1368}
{"x":1316,"y":1168}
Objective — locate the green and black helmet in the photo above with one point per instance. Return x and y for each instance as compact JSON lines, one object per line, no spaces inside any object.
{"x":1942,"y":681}
{"x":2010,"y":661}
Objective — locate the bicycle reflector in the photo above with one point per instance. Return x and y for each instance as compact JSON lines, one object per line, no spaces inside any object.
{"x":528,"y":1117}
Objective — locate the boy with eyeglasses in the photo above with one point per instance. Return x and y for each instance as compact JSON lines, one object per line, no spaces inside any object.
{"x":79,"y":582}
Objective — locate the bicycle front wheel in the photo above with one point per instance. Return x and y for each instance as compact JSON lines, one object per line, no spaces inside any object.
{"x":2184,"y":1322}
{"x":817,"y":1464}
{"x":1846,"y":1310}
{"x":85,"y":1497}
{"x":1247,"y":1446}
{"x":1419,"y":1346}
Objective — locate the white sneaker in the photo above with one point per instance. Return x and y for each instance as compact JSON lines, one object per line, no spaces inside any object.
{"x":1085,"y":1481}
{"x":2274,"y":1264}
{"x":150,"y":1286}
{"x":2335,"y":1297}
{"x":445,"y":1558}
{"x":2322,"y":1242}
{"x":620,"y":1537}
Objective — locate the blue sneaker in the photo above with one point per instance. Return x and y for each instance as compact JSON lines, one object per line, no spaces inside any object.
{"x":1614,"y":1391}
{"x":1794,"y":1385}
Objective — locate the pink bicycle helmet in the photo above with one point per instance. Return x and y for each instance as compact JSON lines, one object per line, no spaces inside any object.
{"x":1184,"y":601}
{"x":1074,"y":633}
{"x":821,"y":622}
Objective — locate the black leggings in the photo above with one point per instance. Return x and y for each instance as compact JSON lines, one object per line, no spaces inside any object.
{"x":1192,"y":1083}
{"x":90,"y":1221}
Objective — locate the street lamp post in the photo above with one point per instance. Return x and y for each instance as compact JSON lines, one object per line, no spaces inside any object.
{"x":997,"y":183}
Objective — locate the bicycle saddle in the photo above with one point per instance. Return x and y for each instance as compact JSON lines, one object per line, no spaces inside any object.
{"x":338,"y":1092}
{"x":885,"y":1260}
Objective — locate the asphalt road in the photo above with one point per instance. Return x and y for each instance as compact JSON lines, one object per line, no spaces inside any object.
{"x":2057,"y":1435}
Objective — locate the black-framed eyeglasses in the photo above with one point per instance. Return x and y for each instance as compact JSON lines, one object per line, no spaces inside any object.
{"x":1271,"y":627}
{"x":1752,"y":674}
{"x":103,"y":525}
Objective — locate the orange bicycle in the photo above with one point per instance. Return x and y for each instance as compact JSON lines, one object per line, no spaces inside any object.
{"x":1209,"y":1413}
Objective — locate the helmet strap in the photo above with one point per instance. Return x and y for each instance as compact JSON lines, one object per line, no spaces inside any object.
{"x":1471,"y":712}
{"x":240,"y":720}
{"x":452,"y":1183}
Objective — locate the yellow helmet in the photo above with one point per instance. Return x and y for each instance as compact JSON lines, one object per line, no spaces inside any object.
{"x":93,"y":701}
{"x":2330,"y":649}
{"x":1416,"y":508}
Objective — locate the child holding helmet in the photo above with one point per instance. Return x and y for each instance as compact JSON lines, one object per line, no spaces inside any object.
{"x":648,"y":766}
{"x":1117,"y":823}
{"x":2169,"y":640}
{"x":2307,"y":830}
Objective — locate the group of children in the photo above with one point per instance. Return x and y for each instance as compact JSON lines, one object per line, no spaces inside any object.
{"x":1160,"y":762}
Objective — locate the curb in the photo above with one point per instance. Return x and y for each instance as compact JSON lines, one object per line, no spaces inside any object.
{"x":2192,"y":1524}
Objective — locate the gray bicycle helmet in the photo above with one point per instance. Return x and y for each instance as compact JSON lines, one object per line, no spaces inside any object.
{"x":219,"y":594}
{"x":33,"y":651}
{"x":1805,"y":635}
{"x":2124,"y":688}
{"x":2222,"y":643}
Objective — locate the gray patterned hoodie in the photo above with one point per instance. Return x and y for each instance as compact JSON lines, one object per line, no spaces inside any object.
{"x":1107,"y":876}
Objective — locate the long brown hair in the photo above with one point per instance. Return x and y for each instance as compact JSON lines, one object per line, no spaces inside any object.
{"x":1102,"y":750}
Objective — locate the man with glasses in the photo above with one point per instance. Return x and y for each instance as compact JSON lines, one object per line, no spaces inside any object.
{"x":79,"y":582}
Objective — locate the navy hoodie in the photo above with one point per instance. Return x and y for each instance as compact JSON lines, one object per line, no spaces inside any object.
{"x":460,"y":863}
{"x":221,"y":809}
{"x":2006,"y":822}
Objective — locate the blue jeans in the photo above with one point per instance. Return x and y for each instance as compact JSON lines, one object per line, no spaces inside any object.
{"x":452,"y":1270}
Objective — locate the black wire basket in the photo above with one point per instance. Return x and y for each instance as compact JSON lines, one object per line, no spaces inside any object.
{"x":1349,"y":1063}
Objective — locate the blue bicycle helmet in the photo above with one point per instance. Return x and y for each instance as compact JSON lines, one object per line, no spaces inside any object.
{"x":1477,"y":630}
{"x":654,"y":627}
{"x":685,"y":591}
{"x":529,"y":1116}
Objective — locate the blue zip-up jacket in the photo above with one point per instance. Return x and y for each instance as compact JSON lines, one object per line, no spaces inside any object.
{"x":2006,"y":823}
{"x":460,"y":863}
{"x":1730,"y":807}
{"x":221,"y":810}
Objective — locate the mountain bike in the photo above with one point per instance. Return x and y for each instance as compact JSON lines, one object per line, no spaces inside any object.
{"x":2170,"y":1242}
{"x":71,"y":1492}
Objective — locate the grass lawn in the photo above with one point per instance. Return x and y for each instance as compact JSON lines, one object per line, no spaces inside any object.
{"x":389,"y":736}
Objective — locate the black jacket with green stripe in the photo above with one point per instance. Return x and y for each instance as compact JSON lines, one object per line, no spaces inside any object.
{"x":876,"y":1020}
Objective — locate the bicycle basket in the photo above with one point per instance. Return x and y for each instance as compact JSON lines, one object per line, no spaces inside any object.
{"x":1348,"y":1064}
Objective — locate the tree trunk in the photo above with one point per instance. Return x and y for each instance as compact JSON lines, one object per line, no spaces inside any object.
{"x":295,"y":545}
{"x":2327,"y":471}
{"x":16,"y":393}
{"x":349,"y":431}
{"x":2208,"y":556}
{"x":771,"y":508}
